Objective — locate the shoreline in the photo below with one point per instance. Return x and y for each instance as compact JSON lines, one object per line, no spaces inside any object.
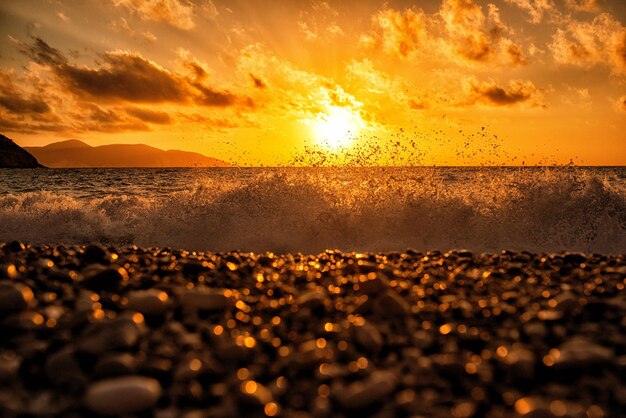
{"x":165,"y":333}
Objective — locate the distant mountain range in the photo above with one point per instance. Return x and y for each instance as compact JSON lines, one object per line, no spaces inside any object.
{"x":77,"y":154}
{"x":14,"y":156}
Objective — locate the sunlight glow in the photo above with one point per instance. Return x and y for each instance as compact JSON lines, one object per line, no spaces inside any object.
{"x":337,"y":128}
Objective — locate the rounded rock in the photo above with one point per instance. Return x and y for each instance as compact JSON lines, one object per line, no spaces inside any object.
{"x":122,"y":395}
{"x":15,"y":247}
{"x":148,"y":302}
{"x":206,"y":299}
{"x":370,"y":390}
{"x":15,"y":296}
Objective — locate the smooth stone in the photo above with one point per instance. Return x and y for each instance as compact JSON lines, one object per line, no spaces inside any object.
{"x":115,"y":365}
{"x":121,"y":333}
{"x":373,"y":286}
{"x":122,"y":395}
{"x":312,"y":299}
{"x":14,"y":247}
{"x":63,"y":368}
{"x":368,"y":391}
{"x":205,"y":299}
{"x":566,"y":301}
{"x":9,"y":365}
{"x":582,"y":353}
{"x":15,"y":296}
{"x":255,"y":393}
{"x":94,"y":254}
{"x":391,"y":304}
{"x":535,"y":329}
{"x":423,"y":339}
{"x":102,"y":278}
{"x":368,"y":337}
{"x":8,"y":271}
{"x":148,"y":302}
{"x":521,"y":363}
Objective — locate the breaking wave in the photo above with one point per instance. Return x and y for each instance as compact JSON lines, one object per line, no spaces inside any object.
{"x":309,"y":210}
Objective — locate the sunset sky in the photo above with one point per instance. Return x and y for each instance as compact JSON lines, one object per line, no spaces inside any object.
{"x":259,"y":82}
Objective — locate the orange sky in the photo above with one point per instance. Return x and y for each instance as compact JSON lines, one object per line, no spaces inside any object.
{"x":452,"y":82}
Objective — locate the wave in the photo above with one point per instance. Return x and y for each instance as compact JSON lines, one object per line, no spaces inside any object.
{"x":564,"y":209}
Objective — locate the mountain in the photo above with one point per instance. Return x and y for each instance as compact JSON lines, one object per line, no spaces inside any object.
{"x":77,"y":154}
{"x":14,"y":156}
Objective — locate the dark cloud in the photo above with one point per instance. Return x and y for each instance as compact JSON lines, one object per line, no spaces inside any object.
{"x":415,"y":105}
{"x":208,"y":96}
{"x":96,"y":118}
{"x":493,"y":94}
{"x":17,"y":101}
{"x":42,"y":53}
{"x":127,"y":76}
{"x":150,"y":116}
{"x":23,"y":106}
{"x":258,"y":83}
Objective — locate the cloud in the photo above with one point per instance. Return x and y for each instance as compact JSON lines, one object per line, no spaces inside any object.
{"x":477,"y":37}
{"x":123,"y":25}
{"x":621,"y":104}
{"x":589,"y":6}
{"x":461,"y":29}
{"x":319,"y":21}
{"x":42,"y":53}
{"x":18,"y":102}
{"x":397,"y":33}
{"x":150,"y":116}
{"x":127,"y":76}
{"x":536,"y":8}
{"x":95,"y":118}
{"x":258,"y":83}
{"x":491,"y":93}
{"x":585,"y":44}
{"x":177,"y":13}
{"x":53,"y":94}
{"x":63,"y":17}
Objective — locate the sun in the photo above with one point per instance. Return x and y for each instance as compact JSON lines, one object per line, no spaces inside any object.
{"x":337,"y":128}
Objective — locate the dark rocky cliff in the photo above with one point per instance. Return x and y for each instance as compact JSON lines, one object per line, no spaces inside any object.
{"x":14,"y":156}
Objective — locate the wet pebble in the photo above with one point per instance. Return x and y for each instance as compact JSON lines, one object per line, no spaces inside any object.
{"x":122,"y":395}
{"x":15,"y":296}
{"x":148,"y":302}
{"x":370,"y":390}
{"x":206,"y":299}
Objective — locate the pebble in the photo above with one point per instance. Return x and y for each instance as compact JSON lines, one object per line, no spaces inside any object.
{"x":62,"y":368}
{"x":112,"y":365}
{"x":101,"y":278}
{"x":9,"y":365}
{"x":122,"y":395}
{"x":390,"y":304}
{"x":148,"y":302}
{"x":374,"y":285}
{"x":451,"y":335}
{"x":370,"y":390}
{"x":118,"y":334}
{"x":206,"y":299}
{"x":580,"y":353}
{"x":15,"y":296}
{"x":14,"y":246}
{"x":368,"y":336}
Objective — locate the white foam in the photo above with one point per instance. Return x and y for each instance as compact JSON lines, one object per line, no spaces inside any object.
{"x":362,"y":210}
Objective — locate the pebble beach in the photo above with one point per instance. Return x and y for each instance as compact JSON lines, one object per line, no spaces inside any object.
{"x":158,"y":332}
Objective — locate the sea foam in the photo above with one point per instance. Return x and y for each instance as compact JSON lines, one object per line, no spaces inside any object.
{"x":309,"y":210}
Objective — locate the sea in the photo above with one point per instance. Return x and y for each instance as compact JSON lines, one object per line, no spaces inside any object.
{"x":308,"y":210}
